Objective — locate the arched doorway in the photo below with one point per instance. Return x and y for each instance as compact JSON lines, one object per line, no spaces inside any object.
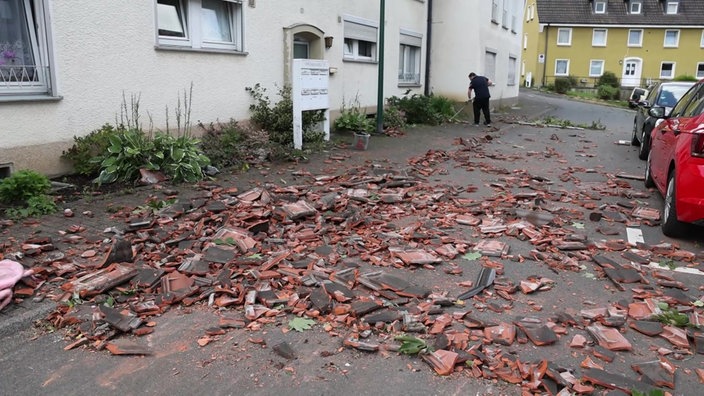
{"x":632,"y":69}
{"x":302,"y":41}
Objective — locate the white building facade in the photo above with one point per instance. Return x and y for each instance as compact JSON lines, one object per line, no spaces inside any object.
{"x":65,"y":66}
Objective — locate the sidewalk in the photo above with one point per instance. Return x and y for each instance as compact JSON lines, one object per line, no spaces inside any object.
{"x":93,"y":214}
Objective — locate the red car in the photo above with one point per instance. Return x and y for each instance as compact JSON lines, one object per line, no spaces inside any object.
{"x":676,"y":161}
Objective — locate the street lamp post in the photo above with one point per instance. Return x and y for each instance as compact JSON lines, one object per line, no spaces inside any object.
{"x":380,"y":87}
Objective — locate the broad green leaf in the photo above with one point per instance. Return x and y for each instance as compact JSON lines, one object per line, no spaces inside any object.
{"x":471,"y":256}
{"x":300,"y":324}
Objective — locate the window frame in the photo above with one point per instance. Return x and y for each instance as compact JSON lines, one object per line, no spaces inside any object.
{"x":672,"y":7}
{"x":701,"y":40}
{"x":672,"y":72}
{"x":677,"y":38}
{"x":606,"y":34}
{"x":635,"y":4}
{"x":351,"y":45}
{"x":597,"y":9}
{"x":38,"y":19}
{"x":567,"y":67}
{"x":569,"y":37}
{"x":511,"y":75}
{"x":640,"y":36}
{"x":495,"y":11}
{"x":591,"y":65}
{"x":700,"y":65}
{"x":410,"y":45}
{"x":191,"y":21}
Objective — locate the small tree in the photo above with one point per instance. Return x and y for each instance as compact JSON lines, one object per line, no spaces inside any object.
{"x":610,"y":79}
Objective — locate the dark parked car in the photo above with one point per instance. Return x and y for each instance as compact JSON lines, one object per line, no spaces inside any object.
{"x":665,"y":95}
{"x":676,"y":161}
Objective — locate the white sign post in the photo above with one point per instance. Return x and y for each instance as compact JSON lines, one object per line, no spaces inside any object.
{"x":310,"y":92}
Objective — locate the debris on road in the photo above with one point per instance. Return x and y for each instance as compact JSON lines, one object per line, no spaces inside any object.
{"x":374,"y":254}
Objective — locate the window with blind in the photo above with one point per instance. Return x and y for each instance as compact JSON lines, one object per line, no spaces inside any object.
{"x":409,"y":58}
{"x":200,"y":24}
{"x":360,"y":39}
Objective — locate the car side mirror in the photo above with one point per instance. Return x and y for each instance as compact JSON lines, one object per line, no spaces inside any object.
{"x":657,"y":112}
{"x":644,"y":103}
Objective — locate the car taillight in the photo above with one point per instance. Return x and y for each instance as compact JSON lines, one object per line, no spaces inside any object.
{"x":698,"y":144}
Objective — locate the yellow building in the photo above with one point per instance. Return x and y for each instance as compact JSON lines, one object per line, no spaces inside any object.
{"x":640,"y":41}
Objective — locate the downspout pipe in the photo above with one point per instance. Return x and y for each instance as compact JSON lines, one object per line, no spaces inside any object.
{"x":428,"y":44}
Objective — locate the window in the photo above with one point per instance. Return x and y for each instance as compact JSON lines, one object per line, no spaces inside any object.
{"x":700,"y":70}
{"x":525,"y":41}
{"x":671,"y":7}
{"x":701,"y":41}
{"x":301,"y":49}
{"x":409,"y":58}
{"x":562,"y":67}
{"x":504,"y":15}
{"x":511,"y":80}
{"x":667,"y":70}
{"x":672,"y":38}
{"x":200,"y":24}
{"x":599,"y":38}
{"x":635,"y":38}
{"x":24,"y":50}
{"x":596,"y":68}
{"x":564,"y":36}
{"x":530,"y":9}
{"x":495,"y":11}
{"x":679,"y":108}
{"x":600,"y":7}
{"x":360,"y":39}
{"x":635,"y":7}
{"x":490,"y":65}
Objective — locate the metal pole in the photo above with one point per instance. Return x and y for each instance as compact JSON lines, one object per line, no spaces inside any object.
{"x":380,"y":87}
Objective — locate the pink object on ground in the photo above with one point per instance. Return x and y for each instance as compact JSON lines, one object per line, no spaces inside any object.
{"x":10,"y":273}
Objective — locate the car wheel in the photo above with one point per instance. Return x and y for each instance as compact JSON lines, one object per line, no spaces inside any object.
{"x":644,"y":148}
{"x":649,"y":183}
{"x":670,"y":225}
{"x":634,"y":138}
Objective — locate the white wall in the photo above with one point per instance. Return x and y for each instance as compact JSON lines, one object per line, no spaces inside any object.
{"x":104,"y":48}
{"x":462,"y":32}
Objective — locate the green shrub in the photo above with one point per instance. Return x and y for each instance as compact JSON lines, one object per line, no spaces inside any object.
{"x":607,"y":92}
{"x":608,"y":79}
{"x":129,"y":151}
{"x":421,"y":109}
{"x":394,"y":118}
{"x":27,"y":191}
{"x":277,"y":119}
{"x":685,"y":77}
{"x":223,"y":143}
{"x":562,"y":85}
{"x":179,"y":158}
{"x":87,"y":151}
{"x":23,"y":185}
{"x":353,"y":118}
{"x":442,"y":107}
{"x":35,"y":206}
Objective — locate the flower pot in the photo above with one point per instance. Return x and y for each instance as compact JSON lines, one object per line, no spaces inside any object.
{"x":361,"y":140}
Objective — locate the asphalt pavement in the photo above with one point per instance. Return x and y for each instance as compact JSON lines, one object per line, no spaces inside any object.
{"x":582,"y":179}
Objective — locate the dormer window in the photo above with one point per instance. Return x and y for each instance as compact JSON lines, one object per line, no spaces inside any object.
{"x":635,"y":6}
{"x":600,"y":7}
{"x":671,"y":7}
